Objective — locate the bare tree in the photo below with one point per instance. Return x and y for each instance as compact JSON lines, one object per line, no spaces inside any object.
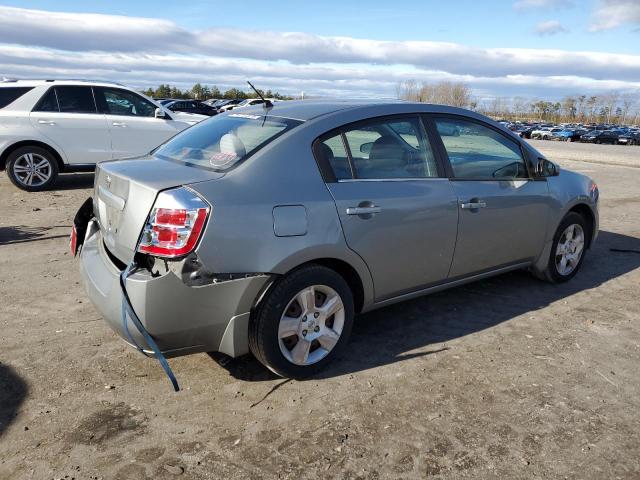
{"x":628,"y":101}
{"x":519,"y":106}
{"x":455,"y":94}
{"x":569,"y":108}
{"x":611,"y":107}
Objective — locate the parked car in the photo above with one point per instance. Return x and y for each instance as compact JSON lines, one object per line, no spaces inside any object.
{"x":550,"y":135}
{"x":526,"y":131}
{"x":600,"y":136}
{"x":629,"y":138}
{"x":540,"y":131}
{"x":48,"y":127}
{"x":345,"y":207}
{"x":448,"y":129}
{"x":568,"y":134}
{"x":227,"y":105}
{"x":191,"y":106}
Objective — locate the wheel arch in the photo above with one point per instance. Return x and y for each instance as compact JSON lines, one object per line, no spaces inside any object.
{"x":25,"y":143}
{"x":351,"y":276}
{"x":585,"y":211}
{"x":362,"y":291}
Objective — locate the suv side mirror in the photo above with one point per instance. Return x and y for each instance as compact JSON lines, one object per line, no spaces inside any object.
{"x":160,"y":113}
{"x":547,"y":168}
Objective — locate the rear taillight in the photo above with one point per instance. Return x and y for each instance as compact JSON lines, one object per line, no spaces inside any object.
{"x":175,"y":224}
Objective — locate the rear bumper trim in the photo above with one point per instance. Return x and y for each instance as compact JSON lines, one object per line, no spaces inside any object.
{"x":127,"y":310}
{"x":181,"y":319}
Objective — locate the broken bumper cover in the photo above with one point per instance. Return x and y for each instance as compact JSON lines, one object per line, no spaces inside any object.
{"x":180,"y":318}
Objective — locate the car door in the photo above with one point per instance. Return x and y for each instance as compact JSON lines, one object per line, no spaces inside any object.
{"x":503,"y":211}
{"x":68,"y":116}
{"x":397,"y":211}
{"x":134,"y":128}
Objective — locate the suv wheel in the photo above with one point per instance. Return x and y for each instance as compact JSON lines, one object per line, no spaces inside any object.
{"x":568,"y":249}
{"x":32,"y":168}
{"x":303,"y":323}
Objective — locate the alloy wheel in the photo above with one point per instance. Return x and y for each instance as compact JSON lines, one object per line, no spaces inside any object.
{"x":569,"y":250}
{"x":311,"y":325}
{"x":32,"y":169}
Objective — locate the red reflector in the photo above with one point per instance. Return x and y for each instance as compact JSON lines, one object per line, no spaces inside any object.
{"x":169,"y":216}
{"x":73,"y":240}
{"x":166,"y":235}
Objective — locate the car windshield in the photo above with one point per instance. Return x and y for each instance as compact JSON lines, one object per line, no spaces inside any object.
{"x":225,"y":140}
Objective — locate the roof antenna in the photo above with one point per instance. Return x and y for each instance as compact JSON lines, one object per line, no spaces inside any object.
{"x":266,"y":103}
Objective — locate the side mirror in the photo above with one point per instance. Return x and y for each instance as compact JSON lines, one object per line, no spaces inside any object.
{"x":547,"y":168}
{"x":160,"y":113}
{"x":366,"y":147}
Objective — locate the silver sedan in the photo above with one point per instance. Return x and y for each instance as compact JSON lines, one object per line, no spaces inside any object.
{"x":268,"y":230}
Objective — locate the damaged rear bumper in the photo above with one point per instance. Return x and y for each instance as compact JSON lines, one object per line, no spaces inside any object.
{"x":181,"y":319}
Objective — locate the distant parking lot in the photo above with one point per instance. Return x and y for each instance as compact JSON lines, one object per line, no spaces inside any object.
{"x":505,"y":378}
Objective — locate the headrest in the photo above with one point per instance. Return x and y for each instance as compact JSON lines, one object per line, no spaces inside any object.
{"x":230,"y":143}
{"x":389,"y":151}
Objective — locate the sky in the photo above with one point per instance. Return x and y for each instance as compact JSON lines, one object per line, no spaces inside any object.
{"x":501,"y":48}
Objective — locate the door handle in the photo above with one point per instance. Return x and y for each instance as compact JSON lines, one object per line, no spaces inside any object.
{"x":473,"y":205}
{"x":46,"y":122}
{"x":363,"y":210}
{"x":119,"y":124}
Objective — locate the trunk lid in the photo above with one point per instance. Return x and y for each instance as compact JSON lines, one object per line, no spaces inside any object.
{"x":125,"y":191}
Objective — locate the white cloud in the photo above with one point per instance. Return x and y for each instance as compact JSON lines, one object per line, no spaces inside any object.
{"x":144,"y":52}
{"x":550,"y":27}
{"x":613,"y":13}
{"x":546,"y":4}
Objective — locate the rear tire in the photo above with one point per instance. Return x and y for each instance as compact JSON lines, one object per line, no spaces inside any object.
{"x":573,"y":249}
{"x":32,"y":168}
{"x":294,"y":332}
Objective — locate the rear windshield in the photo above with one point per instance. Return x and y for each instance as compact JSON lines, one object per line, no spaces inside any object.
{"x":11,"y":94}
{"x":222,"y":141}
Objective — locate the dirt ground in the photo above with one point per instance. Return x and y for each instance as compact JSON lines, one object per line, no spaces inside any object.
{"x":504,"y":378}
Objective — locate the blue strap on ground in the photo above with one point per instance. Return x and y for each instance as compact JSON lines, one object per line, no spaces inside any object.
{"x":127,"y":310}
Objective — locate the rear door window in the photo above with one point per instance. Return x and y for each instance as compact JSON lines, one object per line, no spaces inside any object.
{"x":75,"y":99}
{"x":333,"y":152}
{"x":9,"y":95}
{"x":380,"y":149}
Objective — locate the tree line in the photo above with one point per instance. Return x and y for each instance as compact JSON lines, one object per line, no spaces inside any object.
{"x":613,"y":108}
{"x":204,"y":92}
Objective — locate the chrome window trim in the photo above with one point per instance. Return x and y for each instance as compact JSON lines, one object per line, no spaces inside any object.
{"x":408,"y":179}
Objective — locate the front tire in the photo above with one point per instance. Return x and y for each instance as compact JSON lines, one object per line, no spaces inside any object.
{"x":568,"y":249}
{"x":32,"y":168}
{"x":303,"y":323}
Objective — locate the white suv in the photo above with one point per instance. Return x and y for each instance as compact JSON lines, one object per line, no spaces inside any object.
{"x":52,"y":126}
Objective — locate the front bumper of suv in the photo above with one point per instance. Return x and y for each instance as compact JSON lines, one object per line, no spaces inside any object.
{"x":181,"y":319}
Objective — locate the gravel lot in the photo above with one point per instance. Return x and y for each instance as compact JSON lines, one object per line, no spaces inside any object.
{"x":505,"y":378}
